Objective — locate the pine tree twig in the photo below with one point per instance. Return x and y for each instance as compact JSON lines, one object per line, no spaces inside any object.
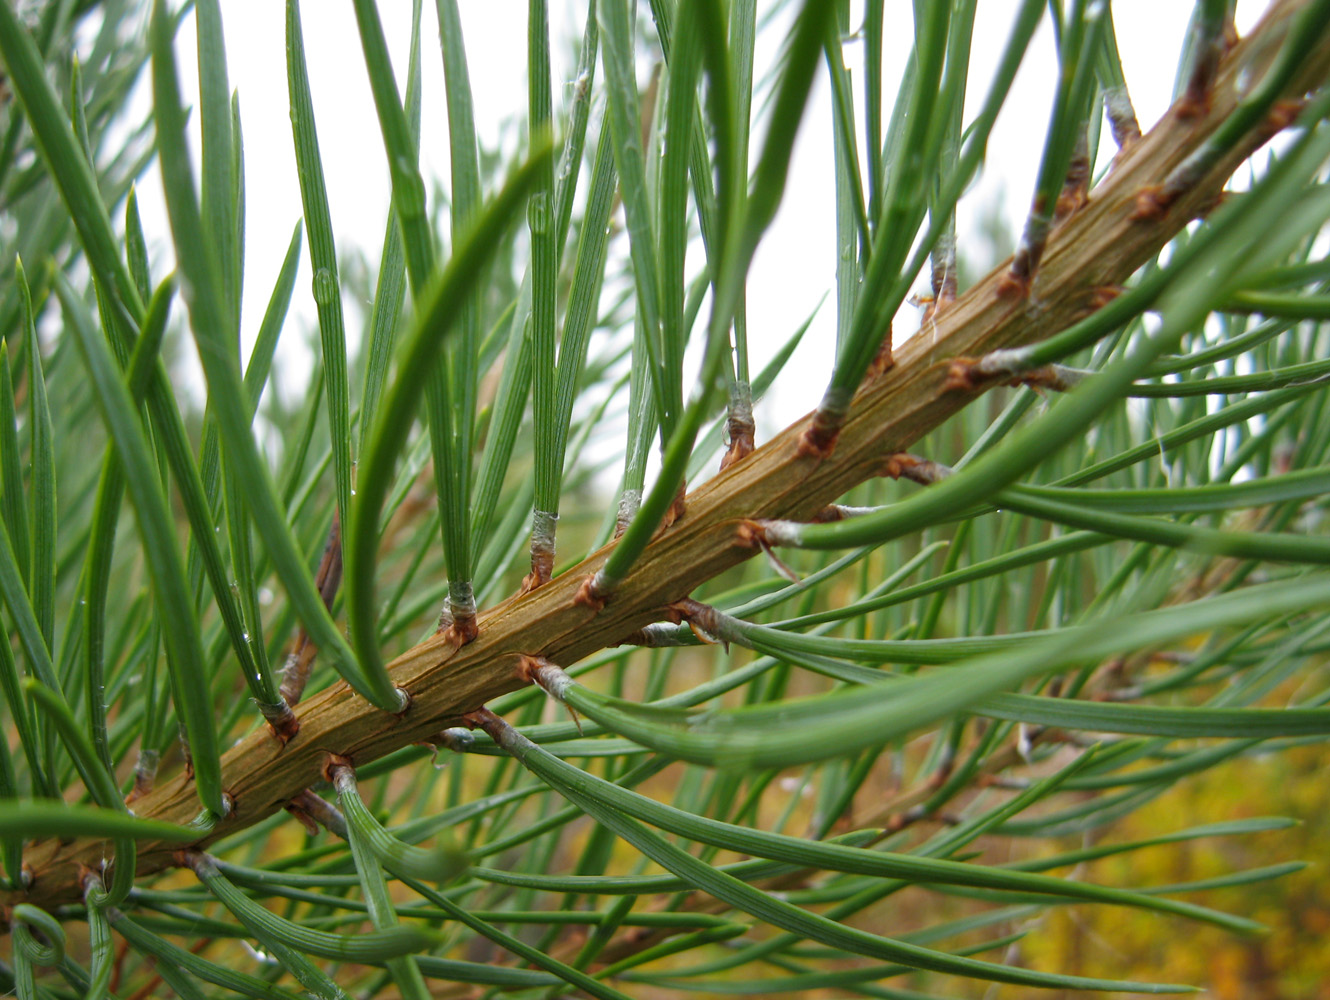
{"x":1101,"y":245}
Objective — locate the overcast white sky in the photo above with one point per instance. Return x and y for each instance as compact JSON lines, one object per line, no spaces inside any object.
{"x":794,"y":267}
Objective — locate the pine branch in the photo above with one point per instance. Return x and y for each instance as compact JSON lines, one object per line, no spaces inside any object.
{"x":1094,"y":250}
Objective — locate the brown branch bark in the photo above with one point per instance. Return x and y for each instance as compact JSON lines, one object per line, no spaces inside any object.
{"x":1100,"y":245}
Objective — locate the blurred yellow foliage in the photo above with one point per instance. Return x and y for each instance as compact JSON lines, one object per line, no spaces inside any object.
{"x":1292,"y":962}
